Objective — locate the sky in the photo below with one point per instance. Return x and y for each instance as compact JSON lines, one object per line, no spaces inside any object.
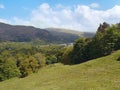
{"x":81,"y":15}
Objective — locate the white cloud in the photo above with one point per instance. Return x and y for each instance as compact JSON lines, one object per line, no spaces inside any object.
{"x":4,"y":21}
{"x":2,"y":6}
{"x":59,"y":6}
{"x":20,"y":21}
{"x":94,"y":5}
{"x":80,"y":17}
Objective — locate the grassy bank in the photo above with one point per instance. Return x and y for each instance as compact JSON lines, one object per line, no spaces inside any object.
{"x":99,"y":74}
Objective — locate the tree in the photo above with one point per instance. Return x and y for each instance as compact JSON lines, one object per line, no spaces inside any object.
{"x":59,"y":54}
{"x":106,"y":40}
{"x":30,"y":65}
{"x":51,"y":59}
{"x":102,"y":27}
{"x":79,"y":53}
{"x":8,"y":69}
{"x":109,"y":39}
{"x":41,"y":59}
{"x":66,"y":57}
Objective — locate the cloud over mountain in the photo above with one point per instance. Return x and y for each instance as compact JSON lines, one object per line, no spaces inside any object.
{"x":78,"y":17}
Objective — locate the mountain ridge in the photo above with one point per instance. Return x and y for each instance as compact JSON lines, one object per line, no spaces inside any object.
{"x":21,"y":33}
{"x":79,"y":33}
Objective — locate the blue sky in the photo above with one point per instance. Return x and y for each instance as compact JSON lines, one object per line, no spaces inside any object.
{"x":72,"y":14}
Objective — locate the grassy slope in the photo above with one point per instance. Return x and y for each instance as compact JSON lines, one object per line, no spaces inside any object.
{"x":99,"y":74}
{"x":69,"y":31}
{"x":65,"y":31}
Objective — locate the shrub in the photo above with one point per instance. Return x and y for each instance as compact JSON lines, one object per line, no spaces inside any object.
{"x":8,"y":69}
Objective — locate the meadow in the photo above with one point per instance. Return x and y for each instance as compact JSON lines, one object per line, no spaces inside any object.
{"x":98,"y":74}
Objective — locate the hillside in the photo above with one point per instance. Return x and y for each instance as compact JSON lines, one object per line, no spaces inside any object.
{"x":19,"y":33}
{"x":98,"y":74}
{"x":62,"y":30}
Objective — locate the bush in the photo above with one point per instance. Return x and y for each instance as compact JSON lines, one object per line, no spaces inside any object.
{"x":8,"y":69}
{"x":51,"y":59}
{"x":31,"y":64}
{"x":66,"y":57}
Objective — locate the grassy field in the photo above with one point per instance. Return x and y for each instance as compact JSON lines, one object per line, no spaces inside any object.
{"x":99,"y":74}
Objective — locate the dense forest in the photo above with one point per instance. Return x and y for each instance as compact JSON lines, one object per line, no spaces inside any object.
{"x":19,"y":59}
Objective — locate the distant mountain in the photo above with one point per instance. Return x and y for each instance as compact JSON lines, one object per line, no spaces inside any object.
{"x":69,"y":31}
{"x":20,"y":33}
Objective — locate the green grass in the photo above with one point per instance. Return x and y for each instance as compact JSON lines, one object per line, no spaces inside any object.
{"x":99,"y":74}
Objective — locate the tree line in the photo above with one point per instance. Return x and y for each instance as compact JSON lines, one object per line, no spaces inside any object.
{"x":105,"y":41}
{"x":20,"y":60}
